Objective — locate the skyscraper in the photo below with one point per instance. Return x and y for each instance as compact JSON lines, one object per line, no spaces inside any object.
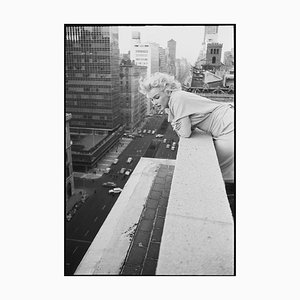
{"x":210,"y":36}
{"x":162,"y":60}
{"x":133,"y":103}
{"x":144,"y":54}
{"x":92,"y":77}
{"x":92,"y":92}
{"x":171,"y":57}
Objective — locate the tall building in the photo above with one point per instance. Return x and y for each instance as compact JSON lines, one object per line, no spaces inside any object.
{"x":133,"y":103}
{"x":210,"y":36}
{"x":162,"y":60}
{"x":68,"y":161}
{"x":92,"y":77}
{"x":213,"y":56}
{"x":183,"y":70}
{"x":146,"y":55}
{"x":92,"y":92}
{"x":171,"y":57}
{"x":229,"y":59}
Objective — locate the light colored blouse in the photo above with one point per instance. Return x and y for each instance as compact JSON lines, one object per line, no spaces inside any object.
{"x":188,"y":111}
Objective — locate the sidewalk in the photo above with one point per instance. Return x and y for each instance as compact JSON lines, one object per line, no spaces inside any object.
{"x":74,"y":199}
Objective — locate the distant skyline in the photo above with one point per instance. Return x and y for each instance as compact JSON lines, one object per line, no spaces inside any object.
{"x":188,"y":38}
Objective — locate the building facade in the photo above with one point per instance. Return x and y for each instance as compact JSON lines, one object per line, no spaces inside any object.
{"x":171,"y":57}
{"x":133,"y":103}
{"x":229,"y":59}
{"x":213,"y":56}
{"x":146,"y":55}
{"x":210,"y":36}
{"x":162,"y":60}
{"x":68,"y":160}
{"x":92,"y":77}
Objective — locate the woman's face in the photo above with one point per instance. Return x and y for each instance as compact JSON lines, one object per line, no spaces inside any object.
{"x":159,"y":99}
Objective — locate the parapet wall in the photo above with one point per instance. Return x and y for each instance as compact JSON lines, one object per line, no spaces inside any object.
{"x":198,"y":235}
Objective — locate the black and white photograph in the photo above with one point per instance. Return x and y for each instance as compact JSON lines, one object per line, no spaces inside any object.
{"x":149,"y":150}
{"x":150,"y":155}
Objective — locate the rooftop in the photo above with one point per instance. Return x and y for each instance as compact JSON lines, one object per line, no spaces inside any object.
{"x":89,"y":140}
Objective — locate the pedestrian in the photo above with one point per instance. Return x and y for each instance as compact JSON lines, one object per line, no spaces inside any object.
{"x":187,"y":111}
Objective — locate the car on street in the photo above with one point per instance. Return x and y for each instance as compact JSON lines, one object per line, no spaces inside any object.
{"x":159,"y":135}
{"x":149,"y":131}
{"x":106,"y":171}
{"x":128,"y":172}
{"x":129,"y":160}
{"x":153,"y":131}
{"x":139,"y":131}
{"x":115,"y":161}
{"x":165,"y":140}
{"x":122,"y":170}
{"x":116,"y":190}
{"x":172,"y":148}
{"x":168,"y":146}
{"x":144,"y":131}
{"x":109,"y":184}
{"x":69,"y":217}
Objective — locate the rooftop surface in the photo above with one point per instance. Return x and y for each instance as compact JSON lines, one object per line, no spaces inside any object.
{"x":89,"y":141}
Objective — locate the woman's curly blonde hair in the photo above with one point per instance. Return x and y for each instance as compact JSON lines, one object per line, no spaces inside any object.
{"x":164,"y":82}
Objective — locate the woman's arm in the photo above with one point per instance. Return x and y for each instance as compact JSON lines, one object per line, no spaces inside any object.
{"x":183,"y":127}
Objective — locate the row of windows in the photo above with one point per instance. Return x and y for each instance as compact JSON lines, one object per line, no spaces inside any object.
{"x":214,"y":51}
{"x":82,"y":104}
{"x":92,"y":117}
{"x":88,"y":110}
{"x":92,"y":124}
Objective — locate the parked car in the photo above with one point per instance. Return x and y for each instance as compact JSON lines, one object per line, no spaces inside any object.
{"x":115,"y":161}
{"x":116,"y":190}
{"x":109,"y":184}
{"x":168,"y":146}
{"x":122,"y":170}
{"x":128,"y":172}
{"x":172,"y":148}
{"x":69,"y":217}
{"x":149,"y":131}
{"x":165,"y":140}
{"x":144,"y":131}
{"x":106,"y":171}
{"x":129,"y":160}
{"x":153,"y":131}
{"x":159,"y":135}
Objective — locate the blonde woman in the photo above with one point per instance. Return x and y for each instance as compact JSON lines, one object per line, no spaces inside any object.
{"x":186,"y":111}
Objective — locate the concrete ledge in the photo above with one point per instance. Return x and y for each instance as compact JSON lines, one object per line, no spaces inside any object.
{"x":108,"y":250}
{"x":198,"y":234}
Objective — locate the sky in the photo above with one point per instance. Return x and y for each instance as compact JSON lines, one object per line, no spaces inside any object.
{"x":188,"y":38}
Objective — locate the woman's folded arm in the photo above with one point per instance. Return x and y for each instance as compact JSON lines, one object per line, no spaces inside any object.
{"x":183,"y":127}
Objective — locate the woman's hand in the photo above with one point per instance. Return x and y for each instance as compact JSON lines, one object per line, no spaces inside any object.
{"x":176,"y":125}
{"x":182,"y":127}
